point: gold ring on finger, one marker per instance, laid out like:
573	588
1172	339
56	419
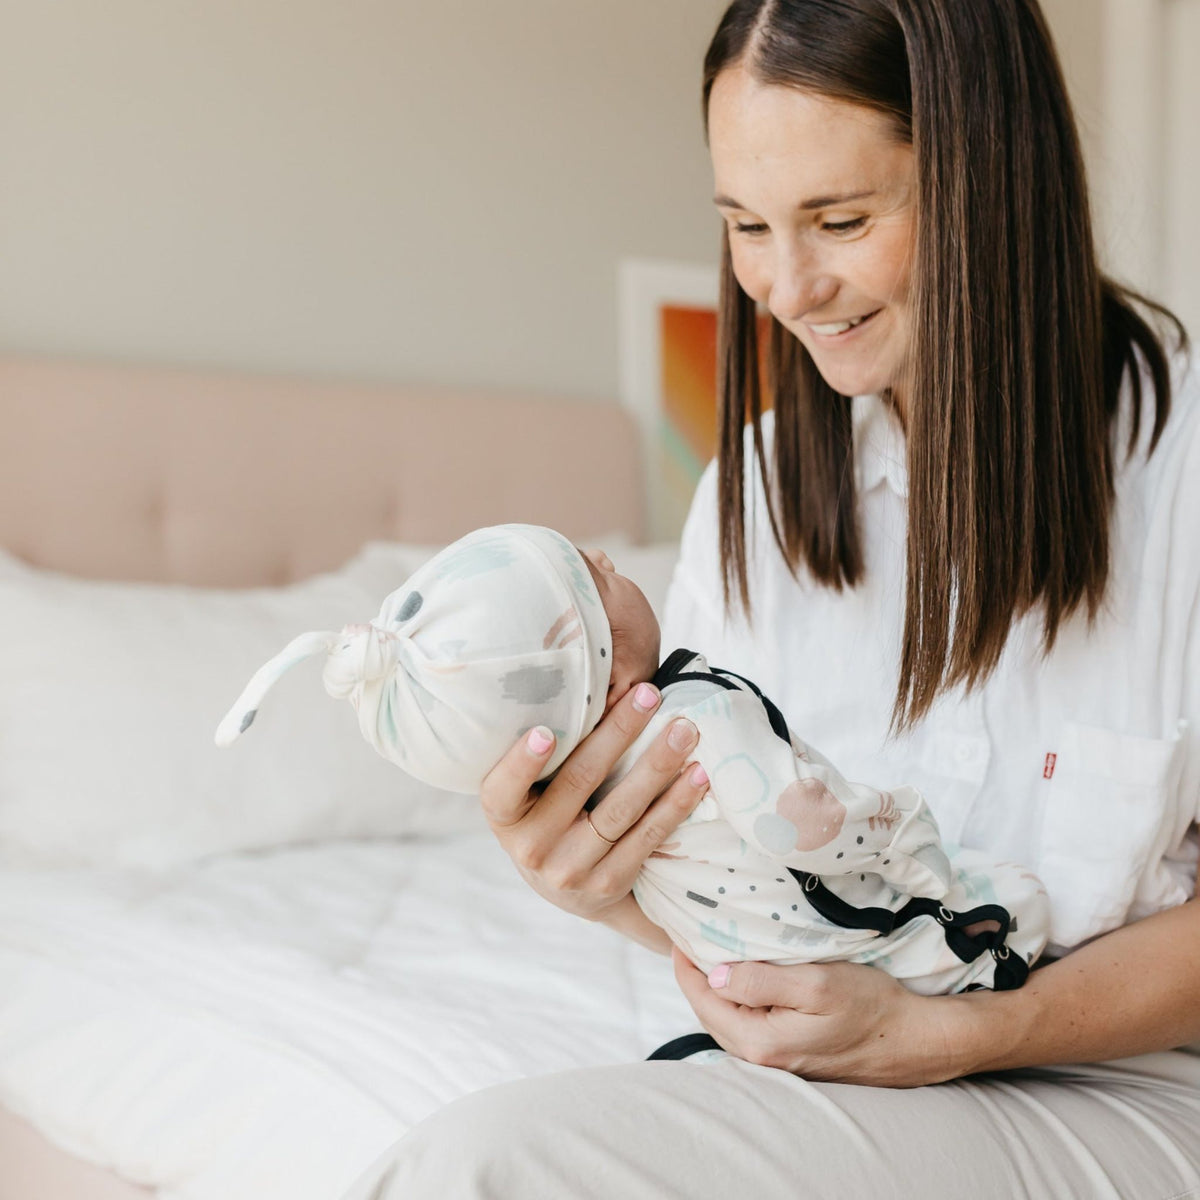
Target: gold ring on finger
588	818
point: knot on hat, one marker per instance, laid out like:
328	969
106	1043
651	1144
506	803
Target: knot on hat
363	654
500	631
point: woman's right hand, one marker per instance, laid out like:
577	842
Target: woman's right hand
588	868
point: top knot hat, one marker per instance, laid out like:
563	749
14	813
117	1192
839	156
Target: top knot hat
501	631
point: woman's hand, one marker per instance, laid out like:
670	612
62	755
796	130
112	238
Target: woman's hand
588	867
840	1022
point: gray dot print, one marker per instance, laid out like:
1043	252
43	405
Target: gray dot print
248	720
411	606
533	685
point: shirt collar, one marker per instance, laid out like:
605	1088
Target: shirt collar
880	452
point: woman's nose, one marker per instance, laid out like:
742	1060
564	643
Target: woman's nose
798	285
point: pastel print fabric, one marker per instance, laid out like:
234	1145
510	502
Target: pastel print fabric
721	885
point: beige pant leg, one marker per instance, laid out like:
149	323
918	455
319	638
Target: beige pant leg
1128	1130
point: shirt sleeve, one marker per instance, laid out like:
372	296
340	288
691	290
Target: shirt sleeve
1181	578
791	804
1189	780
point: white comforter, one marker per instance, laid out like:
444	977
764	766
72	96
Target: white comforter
264	1025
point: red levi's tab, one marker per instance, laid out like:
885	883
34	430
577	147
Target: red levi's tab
1048	769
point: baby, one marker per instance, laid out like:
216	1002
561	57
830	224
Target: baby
783	861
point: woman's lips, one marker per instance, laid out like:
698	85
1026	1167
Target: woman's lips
845	334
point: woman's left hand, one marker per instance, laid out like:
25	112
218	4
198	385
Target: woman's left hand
839	1022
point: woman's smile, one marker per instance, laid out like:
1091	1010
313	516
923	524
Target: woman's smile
838	332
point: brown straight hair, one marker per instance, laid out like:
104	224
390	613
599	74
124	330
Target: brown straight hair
1018	349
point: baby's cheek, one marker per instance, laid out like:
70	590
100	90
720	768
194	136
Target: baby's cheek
630	663
635	653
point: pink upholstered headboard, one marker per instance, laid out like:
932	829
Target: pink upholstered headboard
235	480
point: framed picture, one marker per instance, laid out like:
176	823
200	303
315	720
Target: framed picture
668	359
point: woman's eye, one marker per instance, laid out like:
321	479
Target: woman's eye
844	226
742	227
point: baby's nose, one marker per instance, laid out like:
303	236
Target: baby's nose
600	559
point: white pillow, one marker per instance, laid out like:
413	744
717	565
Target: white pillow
109	697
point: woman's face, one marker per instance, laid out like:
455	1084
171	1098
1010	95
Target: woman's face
818	198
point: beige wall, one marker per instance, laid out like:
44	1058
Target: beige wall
1180	250
1082	37
1078	33
436	190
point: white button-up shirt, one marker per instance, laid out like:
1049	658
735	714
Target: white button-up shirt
1085	765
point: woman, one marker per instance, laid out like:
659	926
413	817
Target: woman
980	576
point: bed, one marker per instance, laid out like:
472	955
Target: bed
243	974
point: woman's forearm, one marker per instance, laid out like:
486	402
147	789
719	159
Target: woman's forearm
1132	991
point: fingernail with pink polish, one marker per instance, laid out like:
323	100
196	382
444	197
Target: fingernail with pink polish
540	740
699	775
718	977
644	698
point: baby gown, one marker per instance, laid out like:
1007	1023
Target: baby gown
785	861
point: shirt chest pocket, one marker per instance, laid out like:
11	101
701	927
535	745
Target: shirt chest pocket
1106	804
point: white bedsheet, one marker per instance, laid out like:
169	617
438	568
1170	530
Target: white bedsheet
264	1025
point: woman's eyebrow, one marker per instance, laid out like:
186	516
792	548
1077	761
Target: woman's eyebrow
815	202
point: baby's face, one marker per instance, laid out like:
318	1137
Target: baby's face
635	634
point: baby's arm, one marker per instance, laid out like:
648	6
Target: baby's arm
791	804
